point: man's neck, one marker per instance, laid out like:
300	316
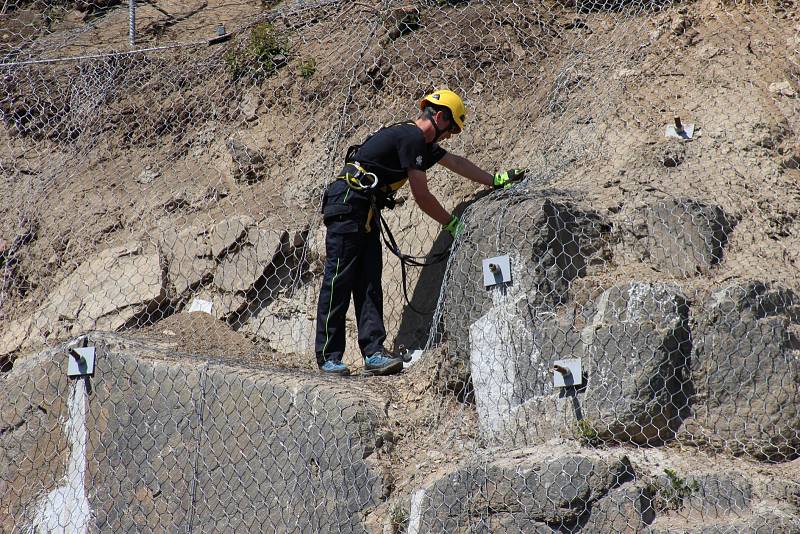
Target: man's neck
428	132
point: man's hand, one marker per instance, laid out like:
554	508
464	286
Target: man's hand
455	227
507	179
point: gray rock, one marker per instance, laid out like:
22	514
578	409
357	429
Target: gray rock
33	440
719	495
189	258
238	271
228	233
679	237
686	237
320	432
179	442
537	493
14	335
623	510
248	164
267	242
764	523
635	351
285	324
551	243
498	341
107	291
746	373
241	268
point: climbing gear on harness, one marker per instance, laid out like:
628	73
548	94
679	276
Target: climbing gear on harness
383	196
506	179
455	226
355	174
450	100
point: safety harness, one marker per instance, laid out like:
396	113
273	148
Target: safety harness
359	179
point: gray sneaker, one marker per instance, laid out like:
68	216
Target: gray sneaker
381	365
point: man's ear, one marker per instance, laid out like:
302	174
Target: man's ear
439	117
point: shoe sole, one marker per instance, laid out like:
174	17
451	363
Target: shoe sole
392	369
345	372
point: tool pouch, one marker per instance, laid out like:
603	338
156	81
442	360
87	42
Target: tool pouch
332	211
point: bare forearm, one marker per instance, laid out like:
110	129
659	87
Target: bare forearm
431	206
467	169
425	199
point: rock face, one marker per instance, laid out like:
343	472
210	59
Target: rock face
537	491
241	268
498	341
517	495
175	444
746	373
720	502
104	292
728	379
679	237
634	351
550	243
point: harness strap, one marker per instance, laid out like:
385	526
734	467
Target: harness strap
357	177
407	259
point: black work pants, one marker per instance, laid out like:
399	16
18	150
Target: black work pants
353	266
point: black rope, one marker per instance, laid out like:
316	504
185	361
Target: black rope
407	259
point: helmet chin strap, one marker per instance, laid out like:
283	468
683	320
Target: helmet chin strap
439	132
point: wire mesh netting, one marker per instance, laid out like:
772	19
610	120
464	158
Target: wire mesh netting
612	345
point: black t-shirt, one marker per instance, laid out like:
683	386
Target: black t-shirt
392	151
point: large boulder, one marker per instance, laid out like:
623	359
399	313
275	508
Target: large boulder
745	371
633	348
725	501
507	368
518	493
166	444
680	237
553	488
635	352
550	243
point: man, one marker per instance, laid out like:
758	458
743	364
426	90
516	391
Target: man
372	174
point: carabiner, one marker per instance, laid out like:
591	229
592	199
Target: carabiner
374	183
356	179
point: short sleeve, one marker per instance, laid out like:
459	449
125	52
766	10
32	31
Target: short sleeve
437	153
411	152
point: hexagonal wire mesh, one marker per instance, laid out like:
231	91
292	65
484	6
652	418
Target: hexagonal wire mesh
162	205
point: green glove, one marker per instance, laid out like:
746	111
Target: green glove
455	226
507	179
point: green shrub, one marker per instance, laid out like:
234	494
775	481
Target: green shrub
670	496
399	519
307	68
266	51
587	433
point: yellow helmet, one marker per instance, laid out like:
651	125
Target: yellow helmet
450	100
